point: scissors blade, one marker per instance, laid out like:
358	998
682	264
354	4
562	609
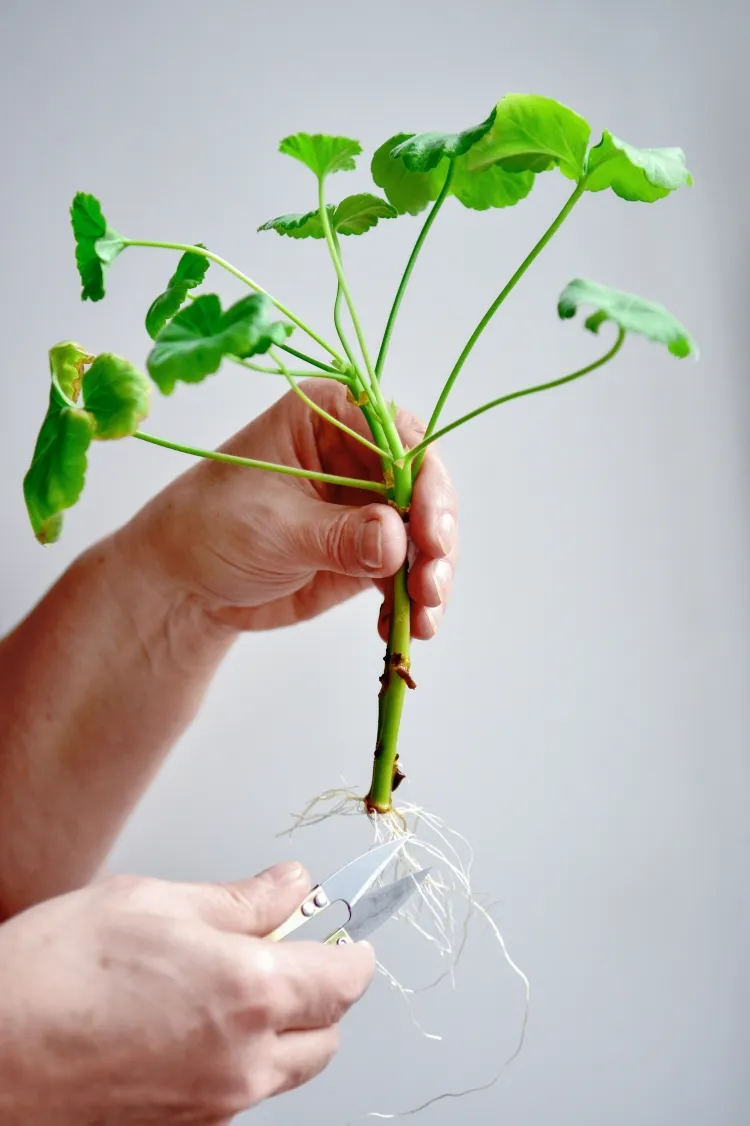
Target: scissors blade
374	909
352	881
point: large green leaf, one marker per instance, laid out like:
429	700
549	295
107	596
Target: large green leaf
532	133
116	395
323	155
494	187
193	344
409	192
421	152
353	216
630	313
66	364
190	272
97	244
58	468
637	175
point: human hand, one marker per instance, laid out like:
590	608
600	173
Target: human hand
260	550
140	1001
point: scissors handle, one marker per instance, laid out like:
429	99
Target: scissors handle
314	902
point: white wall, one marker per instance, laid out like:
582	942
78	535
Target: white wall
584	714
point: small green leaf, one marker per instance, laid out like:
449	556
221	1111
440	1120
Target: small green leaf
97	244
190	272
637	175
409	192
58	468
494	187
116	395
353	216
298	226
421	152
531	133
323	155
359	213
630	313
66	363
193	344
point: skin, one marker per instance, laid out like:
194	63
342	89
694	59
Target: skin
130	1001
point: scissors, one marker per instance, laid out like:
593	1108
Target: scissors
349	886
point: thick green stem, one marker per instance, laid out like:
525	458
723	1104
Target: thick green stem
251	463
409	267
511	284
203	253
418	451
396	679
309	360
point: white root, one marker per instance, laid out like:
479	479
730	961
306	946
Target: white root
431	912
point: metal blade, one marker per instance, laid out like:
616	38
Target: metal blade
352	881
372	911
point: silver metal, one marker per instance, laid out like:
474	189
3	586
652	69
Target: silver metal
342	941
321	899
351	882
307	909
372	911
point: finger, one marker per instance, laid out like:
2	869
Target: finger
299	1056
362	542
425	622
429	581
433	516
254	906
302	985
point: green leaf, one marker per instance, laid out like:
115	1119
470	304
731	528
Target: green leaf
193	344
58	468
630	313
421	152
97	244
66	363
531	133
354	216
637	175
116	395
190	272
359	213
323	155
409	192
298	226
495	187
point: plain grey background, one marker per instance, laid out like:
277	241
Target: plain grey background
584	714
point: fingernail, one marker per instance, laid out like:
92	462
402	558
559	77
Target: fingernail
370	546
446	531
287	873
441	573
433	619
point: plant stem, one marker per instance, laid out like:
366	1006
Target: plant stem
511	284
309	360
290	471
317	409
186	248
396	678
409	267
368	408
389	427
339	377
418	451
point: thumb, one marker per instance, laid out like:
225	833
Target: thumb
367	541
253	906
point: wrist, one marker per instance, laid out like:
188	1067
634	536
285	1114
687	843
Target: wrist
171	623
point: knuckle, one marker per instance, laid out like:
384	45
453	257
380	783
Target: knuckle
335	542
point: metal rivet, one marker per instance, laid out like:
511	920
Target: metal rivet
342	941
321	899
307	909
